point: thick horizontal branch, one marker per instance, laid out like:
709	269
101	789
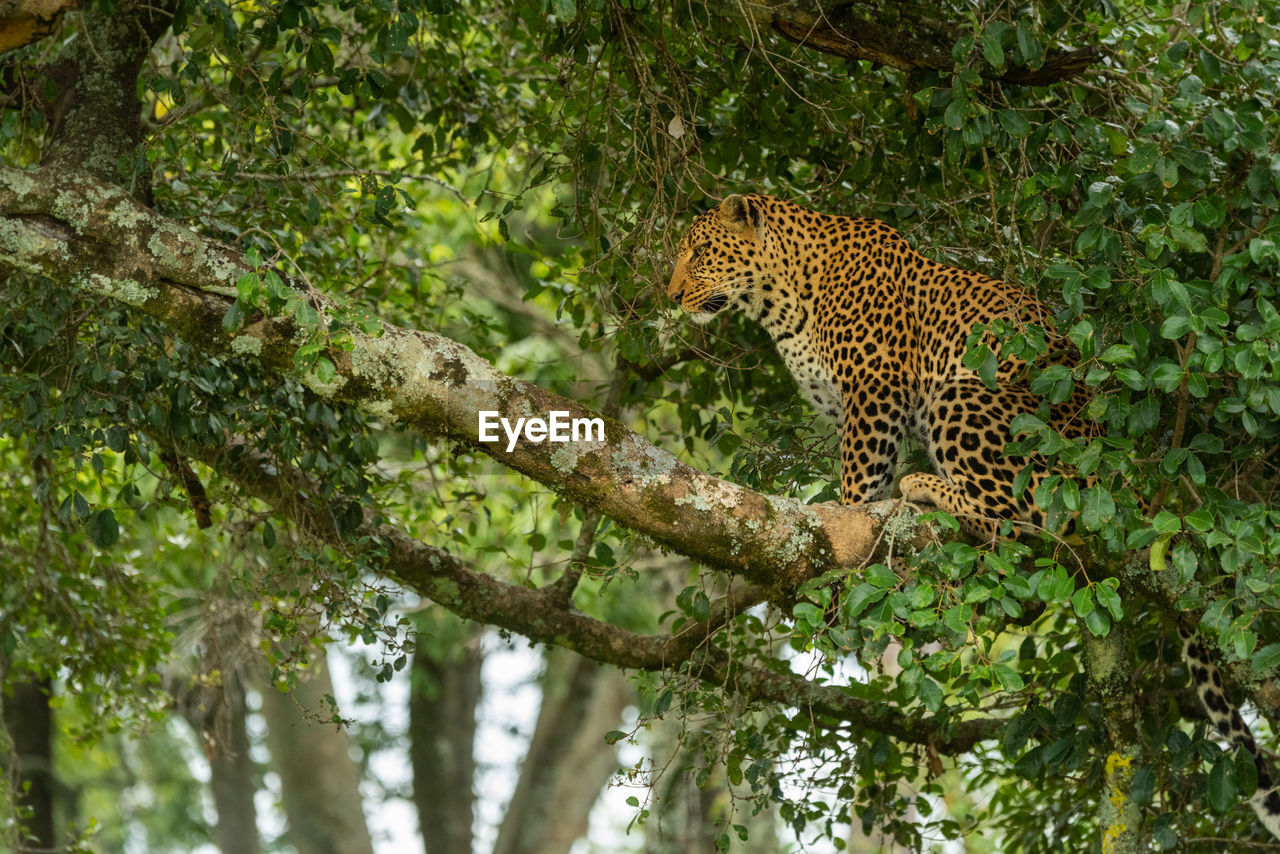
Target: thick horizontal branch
82	232
543	615
908	38
76	230
25	21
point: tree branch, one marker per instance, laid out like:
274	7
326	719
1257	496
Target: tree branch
543	616
108	244
906	38
95	120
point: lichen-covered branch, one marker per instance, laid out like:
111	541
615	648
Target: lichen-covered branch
542	615
93	117
81	232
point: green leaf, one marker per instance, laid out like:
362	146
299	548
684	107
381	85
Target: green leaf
1118	354
1143	785
1098	622
882	576
1246	773
1222	784
1008	678
1166	523
1109	599
1260	249
1163	834
930	694
1175	327
1266	659
859	598
1014	124
231	320
80	506
955	113
807	612
663	703
103	529
992	53
1030	763
700	608
385	199
325	370
1098	507
1189	238
1083	602
1028	47
1200	519
319	57
1166	170
1144	416
1016	733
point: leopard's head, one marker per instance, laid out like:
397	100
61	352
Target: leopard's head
722	258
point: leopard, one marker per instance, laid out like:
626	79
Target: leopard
875	335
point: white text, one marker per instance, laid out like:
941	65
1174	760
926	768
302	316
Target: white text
556	427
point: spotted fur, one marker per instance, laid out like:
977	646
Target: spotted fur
1225	717
874	334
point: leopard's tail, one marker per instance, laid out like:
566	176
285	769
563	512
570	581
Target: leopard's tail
1225	717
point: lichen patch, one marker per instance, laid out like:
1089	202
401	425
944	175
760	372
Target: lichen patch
246	345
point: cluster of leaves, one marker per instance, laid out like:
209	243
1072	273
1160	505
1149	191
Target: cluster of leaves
517	177
1143	200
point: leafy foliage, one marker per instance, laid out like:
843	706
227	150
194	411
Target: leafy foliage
516	177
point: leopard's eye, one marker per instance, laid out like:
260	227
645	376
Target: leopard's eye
697	252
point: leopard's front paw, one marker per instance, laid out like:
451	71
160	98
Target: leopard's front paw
921	491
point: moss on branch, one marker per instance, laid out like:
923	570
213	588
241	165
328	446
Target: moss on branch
108	244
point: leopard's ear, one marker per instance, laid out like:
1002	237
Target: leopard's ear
739	214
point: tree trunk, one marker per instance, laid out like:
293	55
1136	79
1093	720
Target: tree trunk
216	710
445	691
29	721
568	761
319	781
232	782
1111	684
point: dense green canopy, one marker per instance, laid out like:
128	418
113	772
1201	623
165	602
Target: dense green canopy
264	262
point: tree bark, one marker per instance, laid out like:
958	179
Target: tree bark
95	117
233	783
568	761
1110	681
590	763
319	781
25	21
213	703
109	245
544	616
445	691
29	721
